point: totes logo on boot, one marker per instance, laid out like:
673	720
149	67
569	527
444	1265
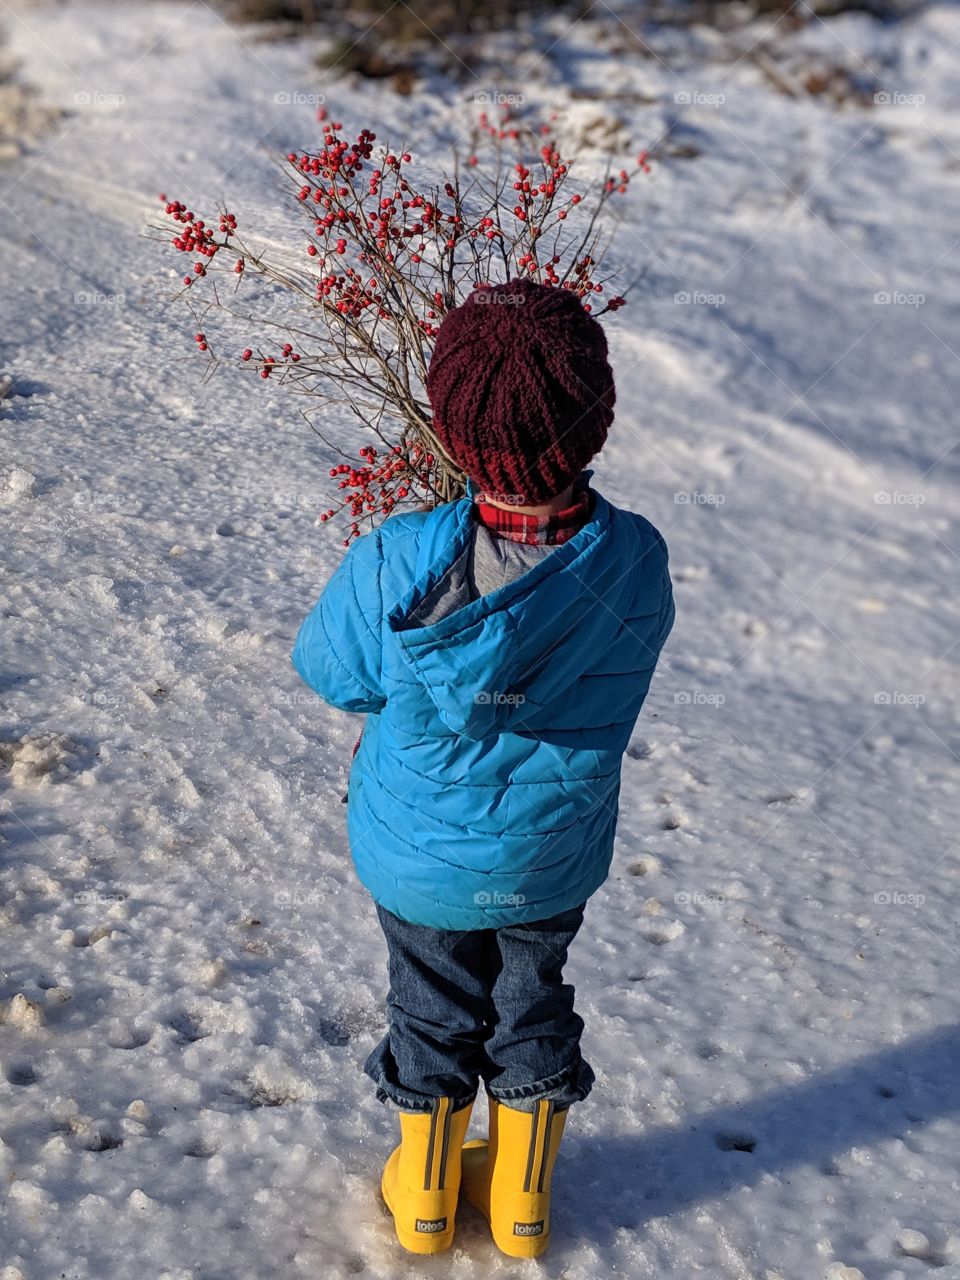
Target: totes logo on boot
431	1225
528	1228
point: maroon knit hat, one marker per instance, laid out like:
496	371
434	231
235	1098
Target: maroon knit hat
521	390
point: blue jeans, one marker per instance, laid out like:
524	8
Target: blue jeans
486	1004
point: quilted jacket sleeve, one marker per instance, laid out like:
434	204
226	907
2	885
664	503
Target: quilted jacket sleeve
668	612
668	609
338	647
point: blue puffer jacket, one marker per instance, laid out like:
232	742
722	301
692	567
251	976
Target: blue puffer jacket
486	785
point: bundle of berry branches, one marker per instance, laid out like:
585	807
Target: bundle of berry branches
384	258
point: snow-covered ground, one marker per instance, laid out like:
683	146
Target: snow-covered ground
191	976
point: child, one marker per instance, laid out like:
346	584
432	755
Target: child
502	647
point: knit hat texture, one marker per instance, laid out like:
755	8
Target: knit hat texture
521	389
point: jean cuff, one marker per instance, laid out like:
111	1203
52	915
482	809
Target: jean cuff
572	1084
387	1092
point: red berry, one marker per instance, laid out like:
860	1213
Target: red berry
247	354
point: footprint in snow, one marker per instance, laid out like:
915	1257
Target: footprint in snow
707	1050
782	799
234	529
735	1142
128	1035
90	937
21	1074
187	1028
645	866
202	1149
333	1033
676	818
102	1138
660	935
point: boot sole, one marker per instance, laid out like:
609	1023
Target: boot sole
423	1244
529	1248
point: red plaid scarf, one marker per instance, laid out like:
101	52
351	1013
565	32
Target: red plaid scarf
518	526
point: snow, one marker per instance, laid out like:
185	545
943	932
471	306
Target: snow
192	976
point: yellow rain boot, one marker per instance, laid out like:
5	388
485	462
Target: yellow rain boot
508	1179
421	1180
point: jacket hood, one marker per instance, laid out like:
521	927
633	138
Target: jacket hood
491	665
